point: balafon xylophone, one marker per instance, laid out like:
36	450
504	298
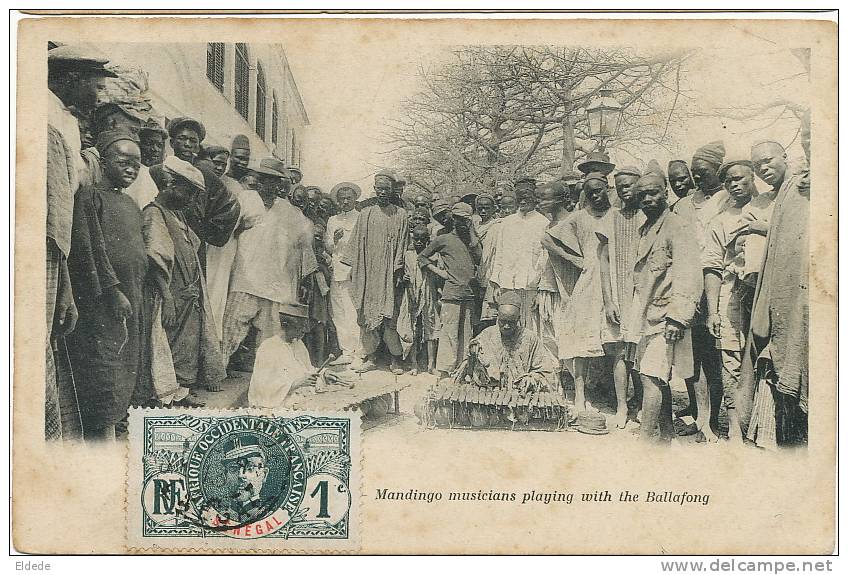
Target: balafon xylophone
448	404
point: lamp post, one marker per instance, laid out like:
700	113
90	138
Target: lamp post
603	114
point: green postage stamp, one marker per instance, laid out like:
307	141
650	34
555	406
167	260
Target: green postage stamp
205	480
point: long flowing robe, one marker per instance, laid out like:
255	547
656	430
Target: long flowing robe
219	260
585	324
341	305
375	254
274	256
565	272
62	419
620	230
172	248
214	212
776	355
418	305
107	250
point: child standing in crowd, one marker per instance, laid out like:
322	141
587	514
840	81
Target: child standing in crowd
318	289
418	322
459	250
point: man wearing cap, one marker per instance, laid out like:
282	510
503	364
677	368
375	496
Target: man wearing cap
339	230
107	266
723	260
152	139
114	116
459	251
273	261
375	255
772	400
619	238
585	327
172	250
668	286
217	156
282	362
517	260
239	157
442	223
76	80
214	213
703	203
245	472
219	260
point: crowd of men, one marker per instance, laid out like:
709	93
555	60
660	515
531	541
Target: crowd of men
167	272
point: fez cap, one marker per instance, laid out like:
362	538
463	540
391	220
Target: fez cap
177	124
712	153
184	169
109	137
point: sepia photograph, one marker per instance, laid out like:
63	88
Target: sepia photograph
525	264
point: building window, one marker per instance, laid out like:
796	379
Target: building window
275	118
293	149
260	102
242	81
215	64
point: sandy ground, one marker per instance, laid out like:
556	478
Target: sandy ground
234	395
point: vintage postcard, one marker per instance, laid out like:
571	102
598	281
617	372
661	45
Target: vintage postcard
240	480
436	285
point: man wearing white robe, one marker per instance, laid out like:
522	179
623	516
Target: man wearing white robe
219	260
339	228
516	253
282	362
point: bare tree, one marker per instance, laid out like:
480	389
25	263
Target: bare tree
490	113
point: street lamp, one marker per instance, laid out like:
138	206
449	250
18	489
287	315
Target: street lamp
603	113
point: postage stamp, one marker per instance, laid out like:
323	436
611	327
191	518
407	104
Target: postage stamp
243	480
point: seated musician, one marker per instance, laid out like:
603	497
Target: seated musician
282	362
509	355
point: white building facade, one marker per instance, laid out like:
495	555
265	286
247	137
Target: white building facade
231	88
